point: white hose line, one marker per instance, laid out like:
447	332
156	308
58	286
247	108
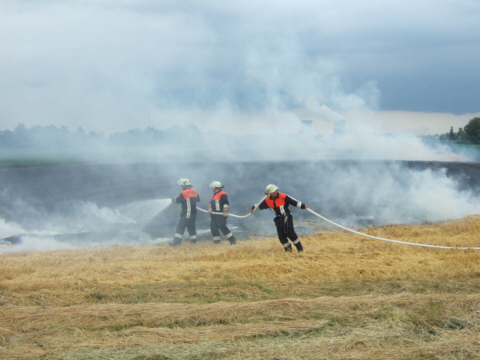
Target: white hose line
235	216
393	241
229	215
350	230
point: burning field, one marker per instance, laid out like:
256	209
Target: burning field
85	272
83	205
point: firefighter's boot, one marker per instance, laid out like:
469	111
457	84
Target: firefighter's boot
299	247
176	241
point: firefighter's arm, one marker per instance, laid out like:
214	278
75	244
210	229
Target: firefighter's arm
263	205
301	205
224	200
295	202
225	210
178	199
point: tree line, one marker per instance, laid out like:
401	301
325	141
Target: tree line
46	137
52	137
468	134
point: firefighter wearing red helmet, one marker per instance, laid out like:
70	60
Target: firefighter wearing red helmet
278	203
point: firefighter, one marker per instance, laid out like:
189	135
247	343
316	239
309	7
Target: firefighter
218	222
278	203
188	198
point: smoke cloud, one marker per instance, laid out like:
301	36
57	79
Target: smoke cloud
130	204
244	94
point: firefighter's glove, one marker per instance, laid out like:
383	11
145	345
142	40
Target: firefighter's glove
173	200
209	211
225	213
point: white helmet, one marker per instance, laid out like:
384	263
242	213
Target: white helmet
271	189
183	181
216	184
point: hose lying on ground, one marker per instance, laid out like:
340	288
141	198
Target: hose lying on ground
353	231
393	241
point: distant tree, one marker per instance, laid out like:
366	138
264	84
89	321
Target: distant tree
451	134
461	136
472	130
21	137
21	129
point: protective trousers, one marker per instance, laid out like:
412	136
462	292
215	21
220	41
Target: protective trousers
285	231
219	223
189	224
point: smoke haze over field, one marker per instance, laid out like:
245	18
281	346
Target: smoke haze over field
245	75
109	66
58	207
358	141
221	91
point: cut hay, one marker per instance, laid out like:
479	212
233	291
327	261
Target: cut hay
346	297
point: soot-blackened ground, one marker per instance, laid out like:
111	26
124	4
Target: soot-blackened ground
56	189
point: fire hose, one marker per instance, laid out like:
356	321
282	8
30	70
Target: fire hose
393	241
352	231
235	216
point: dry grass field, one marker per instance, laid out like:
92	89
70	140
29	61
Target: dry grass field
346	297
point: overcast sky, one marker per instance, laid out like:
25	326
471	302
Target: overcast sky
110	66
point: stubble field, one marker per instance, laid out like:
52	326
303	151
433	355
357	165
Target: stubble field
346	297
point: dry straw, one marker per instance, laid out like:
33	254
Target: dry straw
346	297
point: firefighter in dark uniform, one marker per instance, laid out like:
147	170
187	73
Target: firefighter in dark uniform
218	222
278	203
188	198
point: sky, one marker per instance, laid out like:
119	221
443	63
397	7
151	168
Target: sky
239	66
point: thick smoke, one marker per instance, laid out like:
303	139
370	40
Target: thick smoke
87	205
119	191
232	88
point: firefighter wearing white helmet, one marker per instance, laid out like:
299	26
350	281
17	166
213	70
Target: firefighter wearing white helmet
279	204
188	198
218	210
271	189
183	181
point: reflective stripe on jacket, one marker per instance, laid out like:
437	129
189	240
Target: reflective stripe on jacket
219	201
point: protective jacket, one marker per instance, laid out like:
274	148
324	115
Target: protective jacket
219	202
188	198
280	205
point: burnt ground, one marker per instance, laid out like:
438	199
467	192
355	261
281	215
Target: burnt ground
340	190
